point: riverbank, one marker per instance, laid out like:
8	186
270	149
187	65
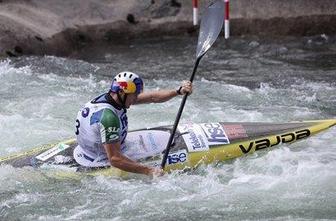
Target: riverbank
63	27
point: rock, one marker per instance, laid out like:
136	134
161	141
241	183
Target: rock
64	27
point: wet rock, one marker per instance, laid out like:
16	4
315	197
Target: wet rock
131	19
18	49
38	38
10	54
176	4
64	27
166	9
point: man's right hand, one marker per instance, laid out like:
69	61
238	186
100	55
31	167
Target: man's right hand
156	171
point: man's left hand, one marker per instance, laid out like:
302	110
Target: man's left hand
185	88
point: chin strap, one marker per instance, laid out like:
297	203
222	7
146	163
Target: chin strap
121	100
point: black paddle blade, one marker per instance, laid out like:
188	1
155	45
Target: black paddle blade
211	25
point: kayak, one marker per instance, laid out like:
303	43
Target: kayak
194	144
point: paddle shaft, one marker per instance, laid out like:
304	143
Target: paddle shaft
179	114
210	28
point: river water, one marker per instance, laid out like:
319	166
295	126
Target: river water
243	79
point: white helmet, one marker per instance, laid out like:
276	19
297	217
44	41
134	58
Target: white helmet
127	82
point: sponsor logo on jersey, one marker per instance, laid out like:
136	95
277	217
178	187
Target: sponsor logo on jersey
85	112
113	130
215	134
114	137
194	137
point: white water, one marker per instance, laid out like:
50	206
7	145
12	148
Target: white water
296	182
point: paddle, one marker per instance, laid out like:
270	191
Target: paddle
211	26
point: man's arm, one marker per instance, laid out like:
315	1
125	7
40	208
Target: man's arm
164	95
109	130
156	96
117	159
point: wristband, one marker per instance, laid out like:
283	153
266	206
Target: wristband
178	91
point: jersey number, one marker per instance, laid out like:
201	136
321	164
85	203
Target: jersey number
77	127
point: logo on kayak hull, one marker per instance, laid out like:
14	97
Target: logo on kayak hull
177	157
284	138
215	134
194	137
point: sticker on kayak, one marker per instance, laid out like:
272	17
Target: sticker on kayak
215	134
194	137
52	152
178	157
142	144
235	131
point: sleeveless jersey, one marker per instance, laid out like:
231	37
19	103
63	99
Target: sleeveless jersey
100	121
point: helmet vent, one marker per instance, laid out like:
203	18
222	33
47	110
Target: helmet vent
119	75
125	74
131	76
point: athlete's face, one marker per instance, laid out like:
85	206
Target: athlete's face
131	99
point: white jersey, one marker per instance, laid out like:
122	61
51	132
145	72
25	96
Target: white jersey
99	121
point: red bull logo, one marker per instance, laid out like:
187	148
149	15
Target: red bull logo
127	86
123	84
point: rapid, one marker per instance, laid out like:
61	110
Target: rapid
244	79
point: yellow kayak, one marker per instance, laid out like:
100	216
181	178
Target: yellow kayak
194	144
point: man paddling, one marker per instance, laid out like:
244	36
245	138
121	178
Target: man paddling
101	125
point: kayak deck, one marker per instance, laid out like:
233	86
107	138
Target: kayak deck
193	144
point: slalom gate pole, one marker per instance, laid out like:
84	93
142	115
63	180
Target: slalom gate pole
227	20
195	12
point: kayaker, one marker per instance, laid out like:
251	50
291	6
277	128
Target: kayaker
101	125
